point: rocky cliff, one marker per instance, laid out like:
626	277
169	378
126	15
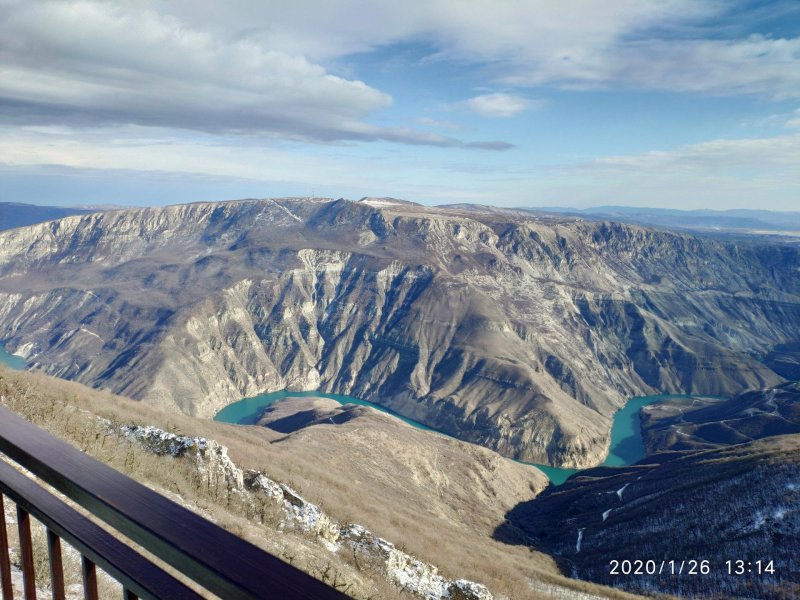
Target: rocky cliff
512	331
216	469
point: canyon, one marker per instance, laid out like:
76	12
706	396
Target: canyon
520	332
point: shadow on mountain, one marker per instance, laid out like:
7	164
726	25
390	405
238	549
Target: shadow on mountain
307	418
710	501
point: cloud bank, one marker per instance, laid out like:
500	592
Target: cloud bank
99	63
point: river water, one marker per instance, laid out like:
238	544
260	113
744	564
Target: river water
626	434
11	360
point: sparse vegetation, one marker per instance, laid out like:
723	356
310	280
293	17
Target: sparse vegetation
736	503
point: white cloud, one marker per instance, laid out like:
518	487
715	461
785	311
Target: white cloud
731	155
652	44
500	104
149	150
720	174
439	123
755	65
128	148
89	63
256	67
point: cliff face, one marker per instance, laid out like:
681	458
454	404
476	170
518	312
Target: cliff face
521	334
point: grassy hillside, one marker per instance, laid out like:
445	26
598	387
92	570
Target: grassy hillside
410	486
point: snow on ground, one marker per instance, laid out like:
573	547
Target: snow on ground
288	212
92	333
372	202
759	520
620	490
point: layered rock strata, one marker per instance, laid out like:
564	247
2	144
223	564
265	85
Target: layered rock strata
521	333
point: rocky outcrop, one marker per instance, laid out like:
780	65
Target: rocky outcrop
508	330
408	572
218	470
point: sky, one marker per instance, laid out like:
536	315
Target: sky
663	103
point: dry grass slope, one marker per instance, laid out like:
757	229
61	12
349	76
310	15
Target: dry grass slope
409	486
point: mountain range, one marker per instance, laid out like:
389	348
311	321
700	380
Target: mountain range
521	333
18	214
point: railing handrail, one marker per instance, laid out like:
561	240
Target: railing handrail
219	561
123	563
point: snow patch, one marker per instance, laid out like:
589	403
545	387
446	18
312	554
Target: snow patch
287	211
759	520
780	512
374	202
555	592
84	330
620	490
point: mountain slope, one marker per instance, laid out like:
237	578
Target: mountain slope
702	423
519	333
734	503
432	496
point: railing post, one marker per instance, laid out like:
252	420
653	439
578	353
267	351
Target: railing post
5	564
56	565
26	553
89	579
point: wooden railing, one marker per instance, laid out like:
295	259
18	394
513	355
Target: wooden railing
214	559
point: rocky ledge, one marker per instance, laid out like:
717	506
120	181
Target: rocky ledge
217	469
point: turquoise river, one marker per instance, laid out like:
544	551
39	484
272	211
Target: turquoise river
11	360
626	433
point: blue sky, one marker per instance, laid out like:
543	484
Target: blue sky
669	103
